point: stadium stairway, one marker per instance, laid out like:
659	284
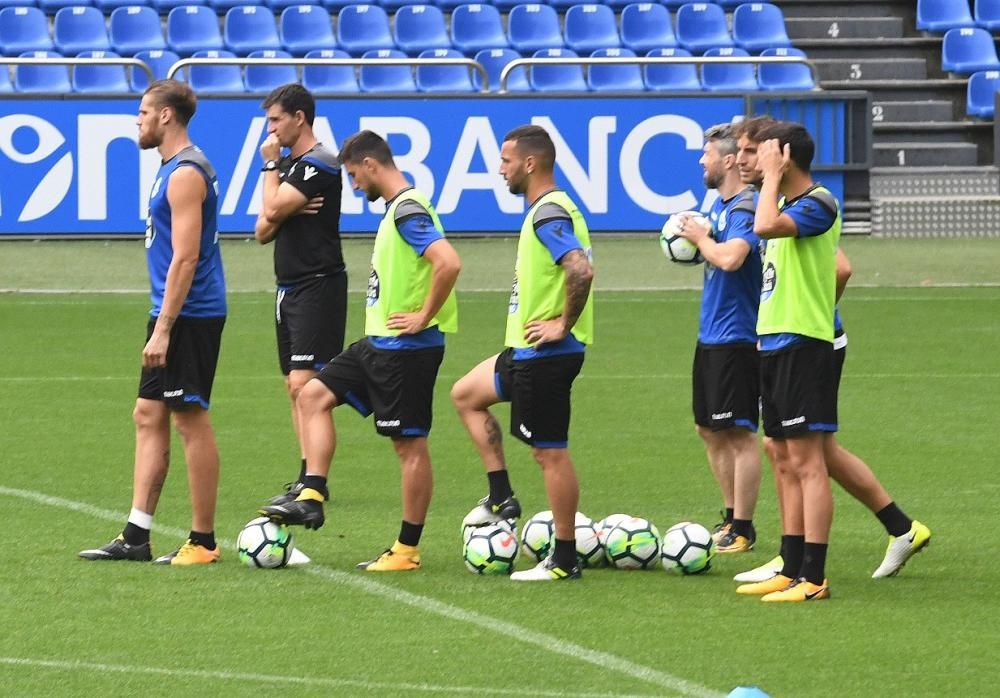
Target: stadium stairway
933	169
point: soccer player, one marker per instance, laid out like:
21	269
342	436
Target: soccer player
549	322
726	361
183	335
300	213
391	372
795	327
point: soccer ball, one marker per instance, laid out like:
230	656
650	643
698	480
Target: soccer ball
589	549
676	248
633	544
263	543
607	523
688	548
538	535
509	524
490	549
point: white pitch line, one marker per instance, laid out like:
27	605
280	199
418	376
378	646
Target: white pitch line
283	680
516	632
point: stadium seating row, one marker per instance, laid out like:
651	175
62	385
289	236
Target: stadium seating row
981	94
942	15
415	28
345	79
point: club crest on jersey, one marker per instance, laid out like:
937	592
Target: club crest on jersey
371	297
768	282
514	298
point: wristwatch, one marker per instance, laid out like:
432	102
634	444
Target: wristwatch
269	165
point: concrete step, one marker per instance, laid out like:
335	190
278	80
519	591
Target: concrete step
844	27
913	111
851	70
903	90
946	217
980	133
845	8
934	182
902	154
928	48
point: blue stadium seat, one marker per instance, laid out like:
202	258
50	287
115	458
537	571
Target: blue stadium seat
729	4
507	5
942	15
981	99
645	26
563	5
99	78
6	86
23	29
325	79
443	78
215	78
193	28
776	76
591	27
556	78
476	27
759	25
533	27
221	7
668	78
675	4
363	28
450	4
17	3
334	6
987	14
386	78
51	7
278	6
968	50
615	78
135	29
494	60
109	6
264	78
164	7
396	4
41	78
250	28
77	29
701	26
159	62
737	77
419	28
305	28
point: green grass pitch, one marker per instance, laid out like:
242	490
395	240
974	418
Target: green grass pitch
919	402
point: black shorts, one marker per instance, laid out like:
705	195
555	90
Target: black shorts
797	389
538	391
839	357
192	356
396	385
726	386
309	320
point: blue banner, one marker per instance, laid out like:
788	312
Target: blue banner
73	166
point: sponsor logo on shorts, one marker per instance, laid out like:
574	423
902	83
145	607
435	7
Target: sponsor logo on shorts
722	415
387	422
793	422
173	393
303	357
524	430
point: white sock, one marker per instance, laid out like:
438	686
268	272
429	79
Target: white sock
140	518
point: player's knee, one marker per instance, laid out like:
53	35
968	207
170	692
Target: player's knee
191	422
315	397
147	414
462	394
296	381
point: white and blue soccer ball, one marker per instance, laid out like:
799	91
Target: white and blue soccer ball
263	543
490	549
676	248
589	549
538	536
633	544
607	523
687	548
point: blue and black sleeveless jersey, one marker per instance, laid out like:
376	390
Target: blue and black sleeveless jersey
207	296
309	246
729	299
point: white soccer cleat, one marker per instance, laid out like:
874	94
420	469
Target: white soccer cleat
486	512
769	569
901	549
546	571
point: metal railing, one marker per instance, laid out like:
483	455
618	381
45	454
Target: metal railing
467	62
133	62
656	60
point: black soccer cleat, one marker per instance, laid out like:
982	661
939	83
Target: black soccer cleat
118	549
300	512
291	493
486	512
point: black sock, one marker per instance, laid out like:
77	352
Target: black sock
792	552
743	527
564	553
409	533
316	482
814	562
499	485
729	515
135	535
895	521
302	471
205	540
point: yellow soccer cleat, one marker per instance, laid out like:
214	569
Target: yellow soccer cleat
901	549
776	583
398	558
731	542
190	554
800	590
